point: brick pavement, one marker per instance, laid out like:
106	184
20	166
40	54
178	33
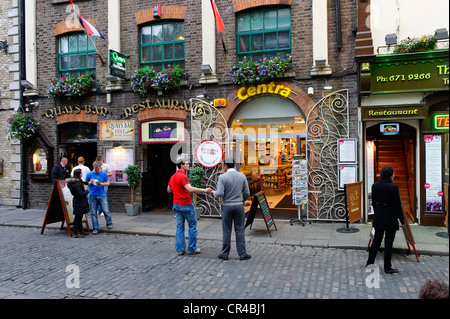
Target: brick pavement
119	266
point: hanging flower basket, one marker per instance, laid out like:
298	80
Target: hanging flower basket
423	43
264	70
21	126
148	79
76	86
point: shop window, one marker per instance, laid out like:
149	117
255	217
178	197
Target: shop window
264	33
162	45
78	132
76	55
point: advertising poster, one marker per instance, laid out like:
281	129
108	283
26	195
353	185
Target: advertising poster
433	174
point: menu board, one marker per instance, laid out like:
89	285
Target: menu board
299	182
347	174
261	200
433	174
347	150
118	159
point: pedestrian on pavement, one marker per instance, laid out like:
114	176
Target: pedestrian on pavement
97	180
84	169
233	188
181	188
80	202
61	170
388	215
105	167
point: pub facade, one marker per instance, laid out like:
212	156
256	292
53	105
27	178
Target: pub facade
306	110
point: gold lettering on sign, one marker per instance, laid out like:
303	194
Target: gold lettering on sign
88	109
159	104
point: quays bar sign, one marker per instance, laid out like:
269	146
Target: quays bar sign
76	109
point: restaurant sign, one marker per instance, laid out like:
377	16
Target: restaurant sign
394	75
392	113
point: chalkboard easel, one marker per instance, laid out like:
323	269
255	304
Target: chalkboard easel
261	200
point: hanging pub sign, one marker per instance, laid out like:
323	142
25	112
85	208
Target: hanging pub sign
117	64
209	153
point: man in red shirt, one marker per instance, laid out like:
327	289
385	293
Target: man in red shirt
181	188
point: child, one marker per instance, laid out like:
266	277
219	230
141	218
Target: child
80	202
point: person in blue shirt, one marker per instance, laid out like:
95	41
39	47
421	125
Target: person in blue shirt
98	180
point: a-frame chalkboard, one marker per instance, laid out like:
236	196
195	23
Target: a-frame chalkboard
261	200
59	208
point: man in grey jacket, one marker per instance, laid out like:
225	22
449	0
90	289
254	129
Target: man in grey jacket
233	188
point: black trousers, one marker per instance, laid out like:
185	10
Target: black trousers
388	242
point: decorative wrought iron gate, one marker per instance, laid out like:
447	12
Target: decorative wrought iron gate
207	123
327	122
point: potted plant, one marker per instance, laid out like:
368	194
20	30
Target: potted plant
196	175
134	174
21	126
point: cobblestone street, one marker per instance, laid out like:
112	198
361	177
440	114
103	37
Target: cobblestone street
117	266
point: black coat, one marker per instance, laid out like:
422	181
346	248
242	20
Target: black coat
387	205
80	201
60	172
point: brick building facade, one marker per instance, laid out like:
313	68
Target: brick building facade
329	61
10	160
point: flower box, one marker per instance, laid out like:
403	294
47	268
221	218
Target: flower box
67	87
148	79
264	70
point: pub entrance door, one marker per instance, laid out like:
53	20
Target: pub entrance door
155	180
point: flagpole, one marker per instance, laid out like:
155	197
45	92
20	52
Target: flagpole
99	56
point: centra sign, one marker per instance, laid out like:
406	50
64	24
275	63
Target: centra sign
272	88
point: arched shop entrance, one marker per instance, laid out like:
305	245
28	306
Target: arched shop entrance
266	131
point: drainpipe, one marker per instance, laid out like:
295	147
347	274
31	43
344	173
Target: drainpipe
24	182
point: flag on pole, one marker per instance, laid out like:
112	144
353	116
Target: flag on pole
219	22
90	30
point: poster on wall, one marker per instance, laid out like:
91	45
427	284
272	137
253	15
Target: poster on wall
433	174
117	130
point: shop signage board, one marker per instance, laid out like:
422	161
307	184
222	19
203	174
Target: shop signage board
352	194
60	208
261	200
391	113
117	130
117	64
162	131
209	153
401	73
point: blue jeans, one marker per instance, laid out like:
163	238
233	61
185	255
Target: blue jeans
94	202
182	213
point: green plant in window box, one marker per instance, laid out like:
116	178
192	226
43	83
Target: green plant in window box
147	78
249	72
71	86
21	126
425	42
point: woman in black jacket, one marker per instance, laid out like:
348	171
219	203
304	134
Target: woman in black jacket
387	206
80	202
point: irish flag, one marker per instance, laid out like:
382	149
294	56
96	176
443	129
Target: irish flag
219	22
86	25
